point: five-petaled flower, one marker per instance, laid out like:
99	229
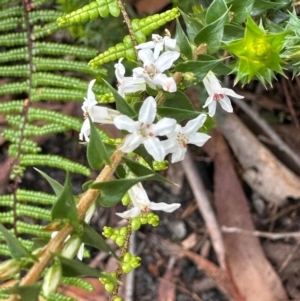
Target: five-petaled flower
98	114
144	131
153	68
128	84
142	204
159	43
178	140
217	94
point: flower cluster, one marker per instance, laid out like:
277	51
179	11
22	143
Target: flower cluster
160	137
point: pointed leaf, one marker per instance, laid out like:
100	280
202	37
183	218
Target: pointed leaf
183	42
65	206
15	247
179	100
94	239
215	10
122	105
141	170
57	187
76	268
96	151
212	34
177	114
113	191
199	68
192	24
27	292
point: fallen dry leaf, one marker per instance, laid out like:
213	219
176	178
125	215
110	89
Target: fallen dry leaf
251	271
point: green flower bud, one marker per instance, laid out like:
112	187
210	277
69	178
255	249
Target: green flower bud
117	299
135	262
126	199
52	278
120	241
114	236
163	165
10	268
126	268
144	220
109	287
127	257
189	77
123	231
135	223
107	231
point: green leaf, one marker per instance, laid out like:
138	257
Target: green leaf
57	187
86	185
65	206
113	191
76	268
199	68
96	151
183	42
177	114
122	105
179	100
15	247
141	170
215	10
241	9
92	238
212	34
141	151
27	292
193	26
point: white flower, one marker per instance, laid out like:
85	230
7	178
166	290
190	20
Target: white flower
142	204
154	67
217	94
98	114
178	140
144	131
128	84
159	43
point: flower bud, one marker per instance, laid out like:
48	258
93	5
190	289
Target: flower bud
135	223
71	247
52	279
9	268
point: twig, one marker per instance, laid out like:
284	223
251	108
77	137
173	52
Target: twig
129	288
205	208
273	236
289	257
282	146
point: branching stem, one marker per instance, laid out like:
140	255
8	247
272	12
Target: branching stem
56	243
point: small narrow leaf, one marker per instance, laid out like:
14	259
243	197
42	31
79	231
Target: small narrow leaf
96	151
212	34
183	42
192	24
27	292
199	68
75	268
179	100
15	247
57	187
112	191
92	238
122	105
141	170
65	206
177	114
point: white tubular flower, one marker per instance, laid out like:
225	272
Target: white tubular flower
153	69
158	43
142	204
98	114
144	131
217	94
182	136
128	84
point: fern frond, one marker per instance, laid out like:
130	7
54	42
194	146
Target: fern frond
14	55
90	11
15	88
34	212
141	28
53	161
9	23
58	297
13	39
78	282
35	230
55	94
13	11
14	71
37	197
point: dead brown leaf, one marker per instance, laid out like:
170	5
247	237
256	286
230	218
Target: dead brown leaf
251	271
166	287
